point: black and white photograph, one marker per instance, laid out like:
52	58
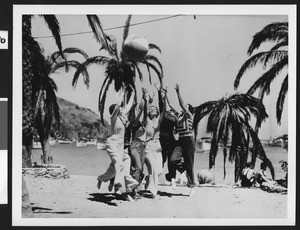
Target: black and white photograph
154	115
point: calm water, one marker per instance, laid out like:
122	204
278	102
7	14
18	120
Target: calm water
90	161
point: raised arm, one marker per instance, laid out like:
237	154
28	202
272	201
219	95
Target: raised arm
171	107
181	102
142	105
162	114
150	101
128	106
160	98
117	108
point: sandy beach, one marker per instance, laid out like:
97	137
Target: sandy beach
78	196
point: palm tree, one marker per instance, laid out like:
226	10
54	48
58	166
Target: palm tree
46	108
228	122
277	55
121	70
32	66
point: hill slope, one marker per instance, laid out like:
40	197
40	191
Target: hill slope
78	122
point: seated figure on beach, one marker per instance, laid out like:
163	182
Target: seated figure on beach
248	176
119	168
261	176
153	155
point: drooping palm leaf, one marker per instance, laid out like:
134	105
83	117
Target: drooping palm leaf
70	50
272	32
266	79
261	152
230	116
281	98
153	67
262	57
97	29
80	69
53	25
153	46
126	29
139	72
282	44
102	98
155	59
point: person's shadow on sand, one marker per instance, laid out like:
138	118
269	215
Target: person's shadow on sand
147	194
106	198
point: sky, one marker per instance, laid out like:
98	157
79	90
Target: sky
203	54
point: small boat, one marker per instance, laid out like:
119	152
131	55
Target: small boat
91	142
37	145
81	144
64	141
52	142
205	143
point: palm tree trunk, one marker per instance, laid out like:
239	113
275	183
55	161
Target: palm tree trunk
257	126
27	116
26	206
212	154
27	67
46	151
247	147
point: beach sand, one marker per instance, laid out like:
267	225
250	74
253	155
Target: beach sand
78	197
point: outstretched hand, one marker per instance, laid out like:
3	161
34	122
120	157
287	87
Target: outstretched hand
177	88
151	97
144	92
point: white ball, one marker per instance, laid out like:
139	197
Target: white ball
136	47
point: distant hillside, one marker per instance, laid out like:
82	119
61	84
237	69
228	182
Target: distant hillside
78	122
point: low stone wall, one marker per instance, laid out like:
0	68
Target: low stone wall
47	171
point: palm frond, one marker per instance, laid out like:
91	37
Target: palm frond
260	153
263	57
70	50
224	162
102	98
281	99
213	151
155	59
97	29
149	72
153	67
53	25
126	29
80	69
201	111
266	79
272	32
284	43
153	46
139	72
113	50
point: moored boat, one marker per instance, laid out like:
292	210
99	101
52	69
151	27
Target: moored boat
37	145
81	144
64	141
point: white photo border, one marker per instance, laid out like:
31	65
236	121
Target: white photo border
19	10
